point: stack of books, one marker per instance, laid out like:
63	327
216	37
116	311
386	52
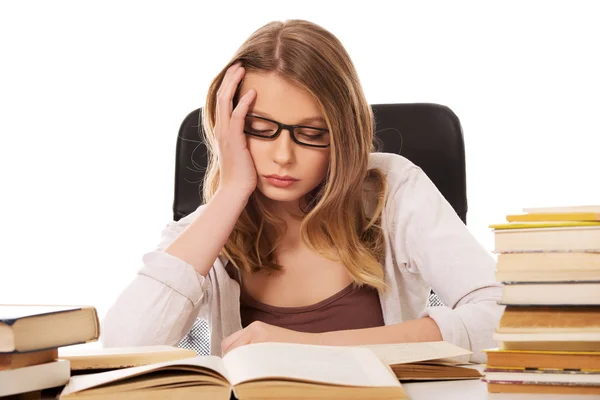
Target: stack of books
549	334
29	340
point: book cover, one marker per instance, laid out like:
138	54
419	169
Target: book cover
539	217
563	209
543	224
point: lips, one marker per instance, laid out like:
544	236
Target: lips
281	178
280	181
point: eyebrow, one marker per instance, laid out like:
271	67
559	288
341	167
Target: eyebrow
302	121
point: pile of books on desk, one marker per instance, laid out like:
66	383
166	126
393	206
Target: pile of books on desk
32	366
549	334
29	340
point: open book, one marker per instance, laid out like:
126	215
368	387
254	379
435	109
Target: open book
426	361
255	371
107	358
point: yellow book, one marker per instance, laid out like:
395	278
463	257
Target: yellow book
543	224
567	209
570	216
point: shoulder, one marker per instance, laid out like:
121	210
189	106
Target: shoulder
403	177
394	166
412	200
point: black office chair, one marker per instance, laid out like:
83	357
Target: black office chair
429	135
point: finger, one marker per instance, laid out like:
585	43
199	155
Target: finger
239	114
226	99
243	340
230	339
232	68
224	83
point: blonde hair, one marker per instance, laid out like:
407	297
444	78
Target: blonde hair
337	223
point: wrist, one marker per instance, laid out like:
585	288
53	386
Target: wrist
232	195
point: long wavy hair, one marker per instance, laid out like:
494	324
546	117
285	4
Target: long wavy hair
340	220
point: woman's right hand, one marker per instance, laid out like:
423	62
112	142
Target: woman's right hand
237	171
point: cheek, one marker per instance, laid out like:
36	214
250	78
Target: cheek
319	163
255	149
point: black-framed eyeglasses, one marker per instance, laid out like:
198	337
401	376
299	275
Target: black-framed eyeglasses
303	135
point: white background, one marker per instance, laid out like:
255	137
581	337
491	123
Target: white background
92	95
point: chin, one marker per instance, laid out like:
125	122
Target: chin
283	195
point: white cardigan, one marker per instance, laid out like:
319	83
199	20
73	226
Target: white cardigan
427	246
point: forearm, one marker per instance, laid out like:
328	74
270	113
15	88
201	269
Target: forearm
132	319
418	330
201	242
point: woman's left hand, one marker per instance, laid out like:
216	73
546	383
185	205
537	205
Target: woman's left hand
259	332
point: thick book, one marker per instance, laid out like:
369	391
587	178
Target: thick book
547	377
522	387
423	361
254	371
551	293
553	236
497	358
537	381
26	328
121	357
555	341
34	377
541	319
19	360
548	267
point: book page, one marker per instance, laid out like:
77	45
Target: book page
403	353
119	357
339	365
84	382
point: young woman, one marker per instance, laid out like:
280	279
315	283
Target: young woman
305	234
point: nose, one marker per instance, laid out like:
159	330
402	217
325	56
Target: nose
283	152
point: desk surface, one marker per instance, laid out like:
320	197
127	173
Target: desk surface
450	390
475	390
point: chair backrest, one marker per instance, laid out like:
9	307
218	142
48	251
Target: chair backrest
429	135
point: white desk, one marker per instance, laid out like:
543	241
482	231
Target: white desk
452	390
476	390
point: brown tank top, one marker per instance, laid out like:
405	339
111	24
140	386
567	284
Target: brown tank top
350	308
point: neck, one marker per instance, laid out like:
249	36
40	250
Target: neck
291	213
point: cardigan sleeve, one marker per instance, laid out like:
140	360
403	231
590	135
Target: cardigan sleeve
449	258
162	302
